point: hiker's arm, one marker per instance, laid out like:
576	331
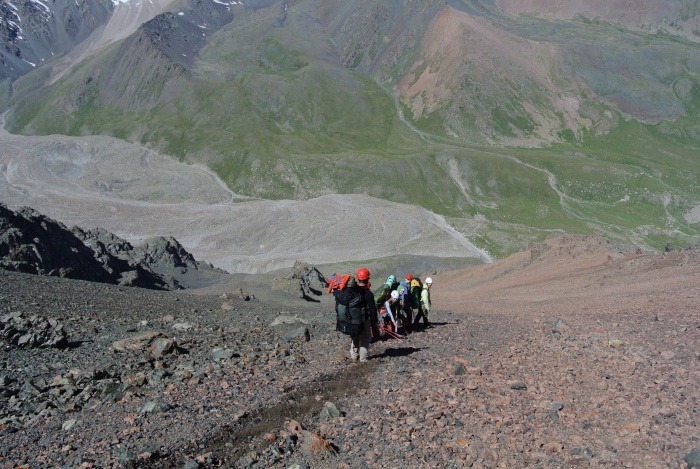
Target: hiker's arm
387	305
372	306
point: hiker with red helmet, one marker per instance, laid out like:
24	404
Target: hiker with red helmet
359	347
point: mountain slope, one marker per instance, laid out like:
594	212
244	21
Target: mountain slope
680	18
464	71
32	32
471	72
410	101
569	354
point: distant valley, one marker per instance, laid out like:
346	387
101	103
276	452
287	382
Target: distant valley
506	120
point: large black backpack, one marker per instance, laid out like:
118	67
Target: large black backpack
351	310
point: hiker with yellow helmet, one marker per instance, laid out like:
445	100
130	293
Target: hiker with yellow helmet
414	287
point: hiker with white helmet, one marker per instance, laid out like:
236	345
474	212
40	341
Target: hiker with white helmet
387	313
425	302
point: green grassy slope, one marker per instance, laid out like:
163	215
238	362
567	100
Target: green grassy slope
276	114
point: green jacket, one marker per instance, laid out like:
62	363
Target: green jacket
415	296
425	298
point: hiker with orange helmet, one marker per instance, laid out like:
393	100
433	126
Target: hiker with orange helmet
359	347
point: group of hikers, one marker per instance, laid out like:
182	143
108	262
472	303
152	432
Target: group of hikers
388	311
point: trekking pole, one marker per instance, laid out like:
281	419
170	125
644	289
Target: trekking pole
392	334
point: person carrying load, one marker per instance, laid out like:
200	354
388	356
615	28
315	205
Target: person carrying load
387	313
359	303
405	307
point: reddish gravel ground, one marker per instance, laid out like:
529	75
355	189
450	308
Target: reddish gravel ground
574	353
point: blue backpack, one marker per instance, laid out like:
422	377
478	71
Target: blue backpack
406	297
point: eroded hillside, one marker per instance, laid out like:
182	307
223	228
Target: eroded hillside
678	18
508	125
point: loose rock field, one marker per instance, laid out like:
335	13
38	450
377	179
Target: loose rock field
524	366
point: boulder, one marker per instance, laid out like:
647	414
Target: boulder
138	342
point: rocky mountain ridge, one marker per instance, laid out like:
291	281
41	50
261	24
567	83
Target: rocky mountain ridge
33	243
32	31
511	74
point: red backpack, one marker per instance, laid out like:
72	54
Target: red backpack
337	282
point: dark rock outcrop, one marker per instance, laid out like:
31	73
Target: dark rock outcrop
158	58
33	243
305	279
166	252
20	330
181	36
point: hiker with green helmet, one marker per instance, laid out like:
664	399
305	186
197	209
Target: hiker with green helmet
391	281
